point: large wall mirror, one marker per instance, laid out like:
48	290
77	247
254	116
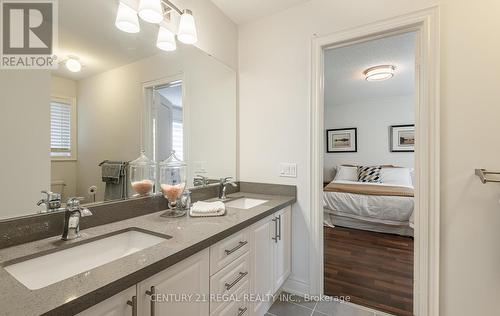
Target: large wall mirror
77	130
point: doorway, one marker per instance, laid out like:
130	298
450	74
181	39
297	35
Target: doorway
426	212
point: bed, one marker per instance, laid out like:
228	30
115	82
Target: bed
380	207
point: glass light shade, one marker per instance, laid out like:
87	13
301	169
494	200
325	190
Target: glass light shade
187	28
73	65
166	40
151	11
173	177
142	175
126	19
379	73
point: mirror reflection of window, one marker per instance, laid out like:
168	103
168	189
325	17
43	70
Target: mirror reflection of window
62	127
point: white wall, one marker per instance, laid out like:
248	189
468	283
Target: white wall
372	119
275	84
111	105
24	126
275	62
64	169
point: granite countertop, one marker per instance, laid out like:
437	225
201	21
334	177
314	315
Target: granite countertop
70	296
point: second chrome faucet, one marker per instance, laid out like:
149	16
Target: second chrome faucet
72	216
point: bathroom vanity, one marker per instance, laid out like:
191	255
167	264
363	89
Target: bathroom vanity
228	265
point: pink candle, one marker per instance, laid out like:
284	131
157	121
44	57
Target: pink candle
142	187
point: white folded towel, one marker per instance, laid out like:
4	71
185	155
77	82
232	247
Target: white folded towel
200	209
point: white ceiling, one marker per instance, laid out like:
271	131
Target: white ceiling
344	79
87	30
242	11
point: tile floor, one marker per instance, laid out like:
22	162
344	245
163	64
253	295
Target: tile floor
292	305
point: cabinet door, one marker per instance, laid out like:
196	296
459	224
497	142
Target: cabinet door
181	290
262	264
113	306
282	249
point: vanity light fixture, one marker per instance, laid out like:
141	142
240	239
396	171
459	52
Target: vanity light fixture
379	73
154	11
73	64
151	11
166	39
126	19
187	28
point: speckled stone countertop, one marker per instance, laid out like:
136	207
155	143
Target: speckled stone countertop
70	296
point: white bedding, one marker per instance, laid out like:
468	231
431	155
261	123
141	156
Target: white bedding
388	210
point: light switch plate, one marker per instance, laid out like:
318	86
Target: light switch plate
288	169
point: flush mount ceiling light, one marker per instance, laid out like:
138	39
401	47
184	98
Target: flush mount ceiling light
187	28
151	11
154	11
126	19
379	73
73	64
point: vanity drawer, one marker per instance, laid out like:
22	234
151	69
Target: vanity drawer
227	250
229	280
239	307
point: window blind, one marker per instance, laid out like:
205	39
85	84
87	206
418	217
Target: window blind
60	129
177	139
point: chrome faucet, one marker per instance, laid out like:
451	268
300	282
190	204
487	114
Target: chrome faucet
72	217
200	180
52	201
223	186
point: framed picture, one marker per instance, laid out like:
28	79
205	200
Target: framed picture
342	140
402	138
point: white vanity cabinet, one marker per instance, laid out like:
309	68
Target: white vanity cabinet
114	306
271	257
255	260
180	290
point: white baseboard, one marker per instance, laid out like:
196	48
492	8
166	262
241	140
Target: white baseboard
295	286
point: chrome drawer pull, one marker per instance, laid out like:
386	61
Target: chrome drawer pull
240	244
275	238
133	303
242	311
238	279
152	292
279	227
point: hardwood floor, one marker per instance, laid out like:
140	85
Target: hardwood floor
374	269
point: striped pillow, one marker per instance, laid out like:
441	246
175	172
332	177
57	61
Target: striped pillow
369	174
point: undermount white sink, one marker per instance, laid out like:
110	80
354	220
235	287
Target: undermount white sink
48	269
245	203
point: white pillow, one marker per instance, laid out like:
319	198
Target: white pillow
398	176
347	173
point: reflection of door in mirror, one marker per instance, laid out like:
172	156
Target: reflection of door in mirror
164	129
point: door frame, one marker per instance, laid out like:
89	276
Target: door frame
427	154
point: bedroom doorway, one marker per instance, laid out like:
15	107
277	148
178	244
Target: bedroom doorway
368	167
424	24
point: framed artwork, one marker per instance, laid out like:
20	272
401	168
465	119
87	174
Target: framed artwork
402	138
342	140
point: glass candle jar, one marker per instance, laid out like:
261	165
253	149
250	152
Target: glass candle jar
173	177
142	175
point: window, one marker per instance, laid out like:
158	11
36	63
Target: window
177	139
62	129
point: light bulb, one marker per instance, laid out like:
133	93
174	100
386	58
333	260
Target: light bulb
166	40
187	28
126	19
150	11
73	65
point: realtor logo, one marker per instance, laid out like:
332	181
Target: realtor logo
28	34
